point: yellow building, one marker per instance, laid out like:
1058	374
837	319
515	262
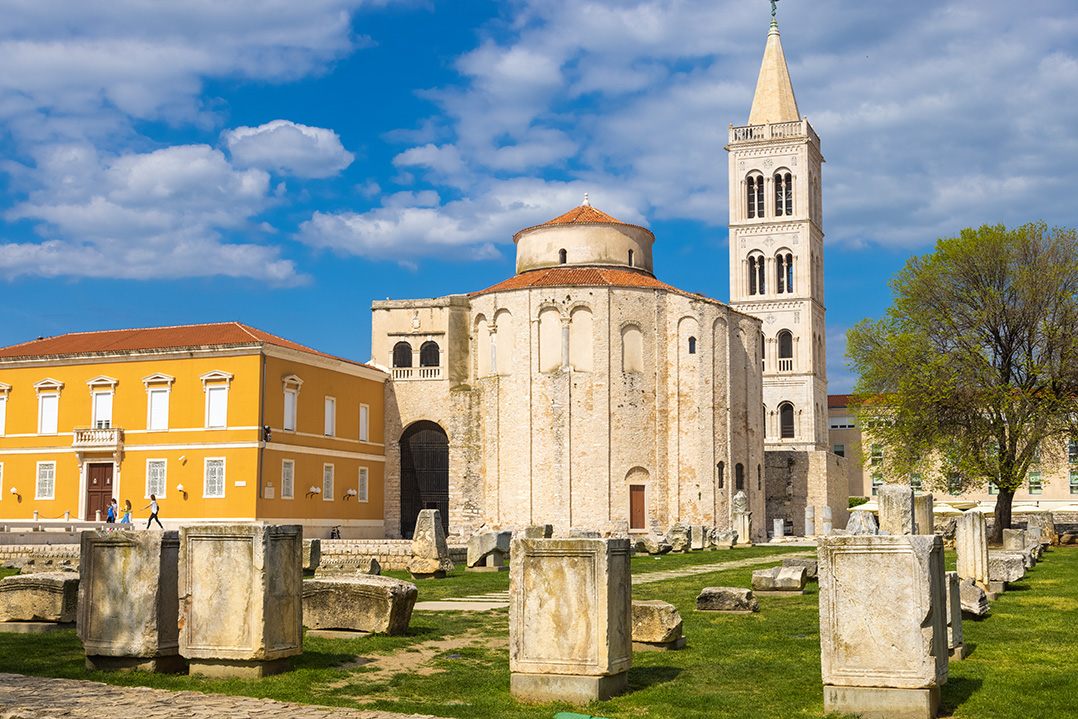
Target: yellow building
222	422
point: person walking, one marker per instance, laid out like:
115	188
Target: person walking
127	512
152	506
111	518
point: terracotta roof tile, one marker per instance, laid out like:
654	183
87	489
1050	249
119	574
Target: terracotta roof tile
582	214
581	277
839	400
154	338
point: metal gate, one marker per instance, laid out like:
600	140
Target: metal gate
424	450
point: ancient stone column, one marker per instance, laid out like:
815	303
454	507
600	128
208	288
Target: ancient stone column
810	521
129	601
780	528
825	515
896	509
922	514
971	546
955	645
883	625
570	628
742	519
430	553
240	598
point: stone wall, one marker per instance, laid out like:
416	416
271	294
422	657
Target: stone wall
41	556
392	554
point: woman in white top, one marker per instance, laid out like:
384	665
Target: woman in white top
152	506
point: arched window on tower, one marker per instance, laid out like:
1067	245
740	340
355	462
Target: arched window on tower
692	345
562	256
784	194
754	195
784	273
630	258
402	354
756	274
786	420
429	356
786	351
739	477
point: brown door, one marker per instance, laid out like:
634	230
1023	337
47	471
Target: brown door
636	506
98	490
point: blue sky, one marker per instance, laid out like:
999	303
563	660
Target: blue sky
284	164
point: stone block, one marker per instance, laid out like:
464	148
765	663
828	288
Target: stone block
811	566
373	568
1006	566
488	547
724	540
129	600
778	528
536	531
727	599
1015	540
1046	522
825	520
955	644
896	509
810	521
312	554
656	624
361	603
430	553
922	514
656	544
883	616
240	598
42	597
882	703
1069	538
678	537
779	580
971	547
570	618
698	537
584	533
974	598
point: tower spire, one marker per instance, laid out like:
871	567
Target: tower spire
774	100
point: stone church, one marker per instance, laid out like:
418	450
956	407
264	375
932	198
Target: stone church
585	392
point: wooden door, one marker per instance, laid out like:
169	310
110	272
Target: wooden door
98	490
636	506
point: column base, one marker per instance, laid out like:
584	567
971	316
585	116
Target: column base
226	668
572	688
882	702
171	664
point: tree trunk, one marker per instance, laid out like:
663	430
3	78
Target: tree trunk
1003	515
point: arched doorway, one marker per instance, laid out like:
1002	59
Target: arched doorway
424	450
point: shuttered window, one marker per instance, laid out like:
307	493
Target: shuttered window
216	407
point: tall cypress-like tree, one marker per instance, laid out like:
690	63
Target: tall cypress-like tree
975	364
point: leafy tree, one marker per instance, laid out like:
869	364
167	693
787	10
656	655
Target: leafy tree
976	362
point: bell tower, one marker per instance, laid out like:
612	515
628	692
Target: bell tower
776	253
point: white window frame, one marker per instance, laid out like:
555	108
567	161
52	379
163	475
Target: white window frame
212	391
1	481
331	416
52	480
288	488
363	486
48	388
205	476
98	396
328	472
162	492
290	413
1034	487
159	392
4	389
364	423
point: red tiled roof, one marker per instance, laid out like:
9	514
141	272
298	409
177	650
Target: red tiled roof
582	214
839	400
153	338
580	276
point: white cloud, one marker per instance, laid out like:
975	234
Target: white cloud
139	216
289	148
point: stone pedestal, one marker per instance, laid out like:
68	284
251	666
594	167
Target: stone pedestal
883	625
129	601
368	603
698	534
430	553
955	644
779	528
971	546
743	525
1006	566
570	628
896	510
241	598
44	597
923	518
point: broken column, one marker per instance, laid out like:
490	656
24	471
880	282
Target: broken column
240	598
430	553
971	547
570	629
896	509
810	520
488	551
955	646
825	521
781	581
742	519
360	603
1046	522
129	601
922	514
883	625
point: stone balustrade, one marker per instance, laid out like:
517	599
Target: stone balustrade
774	131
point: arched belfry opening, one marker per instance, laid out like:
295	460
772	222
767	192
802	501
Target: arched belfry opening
424	450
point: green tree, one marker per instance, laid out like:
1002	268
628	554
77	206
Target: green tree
976	362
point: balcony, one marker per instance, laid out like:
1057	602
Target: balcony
786	365
98	439
775	131
417	373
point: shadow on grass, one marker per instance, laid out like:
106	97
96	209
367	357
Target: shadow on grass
644	677
321	660
970	648
956	692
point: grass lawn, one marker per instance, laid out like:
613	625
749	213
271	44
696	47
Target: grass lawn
456	664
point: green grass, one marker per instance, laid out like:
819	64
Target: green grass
8	572
761	665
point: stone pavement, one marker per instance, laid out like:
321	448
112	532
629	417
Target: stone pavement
500	600
40	698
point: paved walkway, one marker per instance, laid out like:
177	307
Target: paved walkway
40	698
500	600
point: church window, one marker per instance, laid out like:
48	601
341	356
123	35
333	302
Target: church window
429	355
739	477
759	477
786	351
692	345
562	256
784	194
580	339
721	467
631	258
755	196
784	273
756	274
632	349
402	354
786	420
